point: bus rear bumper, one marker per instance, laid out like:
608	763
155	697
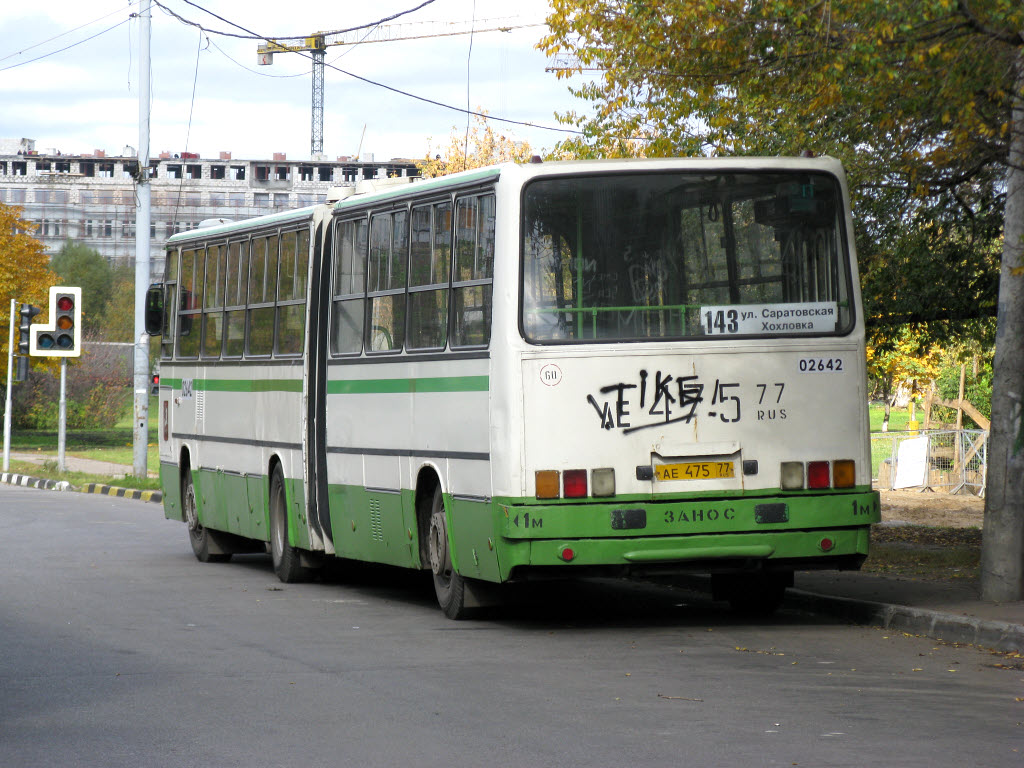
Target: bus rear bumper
838	548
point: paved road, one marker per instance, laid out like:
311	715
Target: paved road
120	649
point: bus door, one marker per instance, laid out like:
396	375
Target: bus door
315	440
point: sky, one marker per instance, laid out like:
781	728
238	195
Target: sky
86	97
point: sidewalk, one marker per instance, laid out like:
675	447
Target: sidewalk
74	464
953	612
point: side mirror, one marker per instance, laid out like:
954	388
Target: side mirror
155	310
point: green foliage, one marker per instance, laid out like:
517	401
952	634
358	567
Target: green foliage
914	98
98	393
977	387
77	264
118	321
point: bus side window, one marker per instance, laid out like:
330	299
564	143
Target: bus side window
429	266
291	292
262	287
237	274
213	302
474	268
191	303
348	287
170	305
389	252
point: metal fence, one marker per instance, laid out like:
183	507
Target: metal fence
949	461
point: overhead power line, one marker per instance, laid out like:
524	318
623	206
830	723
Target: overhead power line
250	34
68	47
65	33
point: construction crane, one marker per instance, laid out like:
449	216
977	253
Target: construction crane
317	44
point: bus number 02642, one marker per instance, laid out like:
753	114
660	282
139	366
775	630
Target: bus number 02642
821	365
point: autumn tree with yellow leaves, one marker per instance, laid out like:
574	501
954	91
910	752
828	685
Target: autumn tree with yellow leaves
905	366
475	147
25	274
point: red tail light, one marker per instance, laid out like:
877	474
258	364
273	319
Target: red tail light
574	483
818	474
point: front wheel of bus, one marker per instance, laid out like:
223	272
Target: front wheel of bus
199	536
287	561
449	586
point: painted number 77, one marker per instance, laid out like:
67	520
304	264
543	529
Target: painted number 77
721	321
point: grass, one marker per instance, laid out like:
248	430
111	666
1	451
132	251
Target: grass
124	455
48	471
898	418
113	444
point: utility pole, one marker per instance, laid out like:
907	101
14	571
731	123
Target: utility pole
140	425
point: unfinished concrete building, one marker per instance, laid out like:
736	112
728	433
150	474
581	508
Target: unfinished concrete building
91	198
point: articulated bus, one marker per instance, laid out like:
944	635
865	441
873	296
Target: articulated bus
528	371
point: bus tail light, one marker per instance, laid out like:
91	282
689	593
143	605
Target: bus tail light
818	475
602	482
574	483
547	484
821	475
792	475
843	475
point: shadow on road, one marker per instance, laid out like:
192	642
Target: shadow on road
589	603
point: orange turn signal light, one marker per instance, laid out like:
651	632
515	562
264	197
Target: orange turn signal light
843	473
548	484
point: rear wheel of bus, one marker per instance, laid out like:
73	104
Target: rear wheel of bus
449	586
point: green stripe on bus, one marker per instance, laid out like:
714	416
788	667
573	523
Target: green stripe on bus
238	385
398	386
350	387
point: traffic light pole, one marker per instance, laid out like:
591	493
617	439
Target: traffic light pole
62	423
7	402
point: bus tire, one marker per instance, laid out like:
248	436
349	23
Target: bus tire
203	540
286	558
449	586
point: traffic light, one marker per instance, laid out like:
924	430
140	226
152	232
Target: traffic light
27	312
62	336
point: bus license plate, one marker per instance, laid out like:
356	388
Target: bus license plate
695	470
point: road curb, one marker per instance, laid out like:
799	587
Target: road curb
121	493
27	481
939	625
952	628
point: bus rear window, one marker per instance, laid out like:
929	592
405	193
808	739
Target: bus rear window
684	255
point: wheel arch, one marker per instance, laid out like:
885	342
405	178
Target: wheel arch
274	463
428	479
184	459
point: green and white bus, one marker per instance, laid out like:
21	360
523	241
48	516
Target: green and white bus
528	371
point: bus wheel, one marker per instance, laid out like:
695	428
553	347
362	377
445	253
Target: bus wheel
203	543
449	586
287	563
